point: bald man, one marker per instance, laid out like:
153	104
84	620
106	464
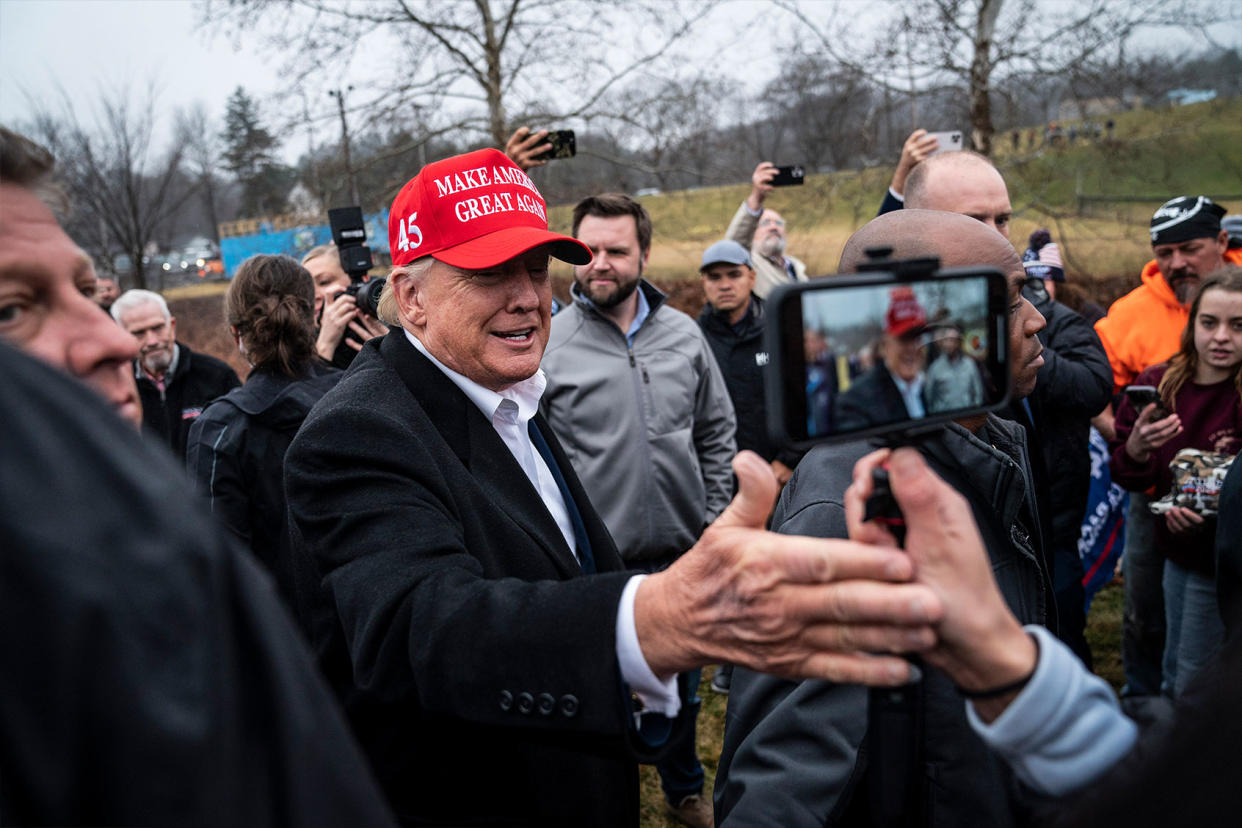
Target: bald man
961	182
792	750
1073	385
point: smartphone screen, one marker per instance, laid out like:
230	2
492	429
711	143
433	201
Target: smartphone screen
871	353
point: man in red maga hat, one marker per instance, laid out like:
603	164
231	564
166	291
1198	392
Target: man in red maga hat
497	663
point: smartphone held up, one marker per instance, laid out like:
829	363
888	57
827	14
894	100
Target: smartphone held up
564	145
893	351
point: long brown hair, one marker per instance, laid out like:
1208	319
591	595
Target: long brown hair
1184	364
271	305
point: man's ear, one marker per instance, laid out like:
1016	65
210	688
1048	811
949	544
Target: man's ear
1223	240
172	326
410	298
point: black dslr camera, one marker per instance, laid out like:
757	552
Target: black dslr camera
350	235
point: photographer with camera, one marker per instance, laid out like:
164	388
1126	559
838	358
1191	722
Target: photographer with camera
342	324
762	231
793	752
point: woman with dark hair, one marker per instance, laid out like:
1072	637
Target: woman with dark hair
236	449
1200	390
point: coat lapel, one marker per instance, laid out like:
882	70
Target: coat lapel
479	448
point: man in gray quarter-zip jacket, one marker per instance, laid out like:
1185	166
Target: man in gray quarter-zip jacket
641	408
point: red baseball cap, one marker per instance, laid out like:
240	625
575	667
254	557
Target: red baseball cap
905	315
474	211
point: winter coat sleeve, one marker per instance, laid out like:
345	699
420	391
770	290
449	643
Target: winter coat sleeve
715	426
1076	374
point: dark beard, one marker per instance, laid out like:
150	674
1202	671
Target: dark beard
622	293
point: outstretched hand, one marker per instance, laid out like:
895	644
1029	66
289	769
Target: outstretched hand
793	606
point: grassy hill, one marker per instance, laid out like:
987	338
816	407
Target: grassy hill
1155	154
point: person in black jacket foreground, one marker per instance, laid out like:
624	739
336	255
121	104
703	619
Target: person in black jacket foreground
237	447
1072	386
175	383
148	673
803	753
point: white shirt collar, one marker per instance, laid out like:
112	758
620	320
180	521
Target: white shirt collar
524	394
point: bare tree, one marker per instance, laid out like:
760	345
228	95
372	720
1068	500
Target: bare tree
121	187
203	156
544	57
971	44
674	123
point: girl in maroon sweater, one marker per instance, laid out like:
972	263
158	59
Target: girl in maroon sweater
1202	386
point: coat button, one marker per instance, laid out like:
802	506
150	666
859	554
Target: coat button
546	704
506	700
569	706
525	702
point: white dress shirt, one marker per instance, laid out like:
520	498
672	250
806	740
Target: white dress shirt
509	411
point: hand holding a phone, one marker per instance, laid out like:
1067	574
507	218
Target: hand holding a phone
918	147
524	147
1150	433
979	642
760	184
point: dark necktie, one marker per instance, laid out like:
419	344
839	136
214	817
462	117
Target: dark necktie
575	517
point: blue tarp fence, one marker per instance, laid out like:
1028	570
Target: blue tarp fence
295	241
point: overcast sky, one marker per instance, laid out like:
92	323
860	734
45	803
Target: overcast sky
80	45
83	44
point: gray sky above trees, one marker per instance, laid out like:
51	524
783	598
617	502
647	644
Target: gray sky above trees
79	45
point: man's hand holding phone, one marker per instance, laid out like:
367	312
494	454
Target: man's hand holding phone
526	148
760	185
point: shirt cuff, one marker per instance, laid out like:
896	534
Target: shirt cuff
656	696
1064	729
898	196
755	213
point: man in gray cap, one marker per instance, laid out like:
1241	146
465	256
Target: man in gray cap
1143	328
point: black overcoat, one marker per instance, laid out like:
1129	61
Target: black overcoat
474	658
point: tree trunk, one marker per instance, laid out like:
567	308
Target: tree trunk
981	129
136	268
492	49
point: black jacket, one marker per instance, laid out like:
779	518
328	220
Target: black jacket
198	380
148	673
236	453
872	399
475	659
1074	384
798	753
742	360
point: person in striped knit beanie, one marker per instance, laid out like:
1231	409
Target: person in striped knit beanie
1042	260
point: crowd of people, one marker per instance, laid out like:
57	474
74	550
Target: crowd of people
462	562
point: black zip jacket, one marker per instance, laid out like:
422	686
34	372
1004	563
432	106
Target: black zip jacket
198	380
742	359
236	454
